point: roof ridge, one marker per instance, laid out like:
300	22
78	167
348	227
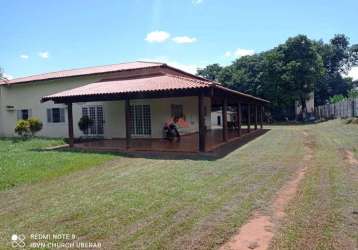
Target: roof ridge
154	74
191	79
82	68
151	62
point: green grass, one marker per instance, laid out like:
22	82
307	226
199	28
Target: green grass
322	215
143	203
24	162
134	203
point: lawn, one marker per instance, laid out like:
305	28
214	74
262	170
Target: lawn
25	161
324	214
143	203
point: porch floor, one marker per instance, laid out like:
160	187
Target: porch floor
187	143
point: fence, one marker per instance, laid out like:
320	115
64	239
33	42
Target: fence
343	109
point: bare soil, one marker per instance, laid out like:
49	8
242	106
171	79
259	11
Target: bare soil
349	157
259	231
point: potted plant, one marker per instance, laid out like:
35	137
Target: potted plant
85	123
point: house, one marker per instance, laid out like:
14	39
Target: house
217	118
129	104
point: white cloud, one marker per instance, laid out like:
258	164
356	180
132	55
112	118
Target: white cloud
353	73
227	54
44	54
7	76
184	39
239	53
157	36
196	2
243	52
190	68
24	56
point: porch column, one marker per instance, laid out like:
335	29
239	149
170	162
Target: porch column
261	116
238	119
255	116
224	115
248	118
202	127
127	117
70	124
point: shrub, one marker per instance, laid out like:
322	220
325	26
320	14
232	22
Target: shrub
353	93
336	99
35	125
84	123
23	128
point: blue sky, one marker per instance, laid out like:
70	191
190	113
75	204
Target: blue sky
42	36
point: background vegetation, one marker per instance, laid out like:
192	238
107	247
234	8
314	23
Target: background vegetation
291	72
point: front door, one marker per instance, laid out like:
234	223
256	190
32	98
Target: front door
95	113
140	122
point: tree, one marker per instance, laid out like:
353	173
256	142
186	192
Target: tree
338	58
27	128
35	125
353	94
302	68
210	72
23	129
353	55
246	74
290	72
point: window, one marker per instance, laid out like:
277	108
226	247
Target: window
219	120
140	120
177	111
23	114
56	115
95	113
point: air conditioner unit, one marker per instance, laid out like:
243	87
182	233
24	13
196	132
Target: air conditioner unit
10	108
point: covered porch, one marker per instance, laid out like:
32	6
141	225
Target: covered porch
248	109
187	144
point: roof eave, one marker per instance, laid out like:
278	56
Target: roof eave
219	86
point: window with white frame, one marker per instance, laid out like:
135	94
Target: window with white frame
95	113
140	120
23	114
56	115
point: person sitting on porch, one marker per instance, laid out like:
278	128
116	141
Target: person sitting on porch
171	129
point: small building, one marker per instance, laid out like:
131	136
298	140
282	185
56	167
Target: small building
309	107
217	118
130	103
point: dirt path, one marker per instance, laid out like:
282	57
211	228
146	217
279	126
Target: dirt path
258	232
349	157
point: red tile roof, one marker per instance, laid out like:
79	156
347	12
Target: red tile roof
143	84
133	85
85	71
129	85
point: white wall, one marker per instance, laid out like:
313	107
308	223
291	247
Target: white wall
28	96
309	105
161	112
1	114
214	118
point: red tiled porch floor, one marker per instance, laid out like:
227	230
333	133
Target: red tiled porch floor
187	143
